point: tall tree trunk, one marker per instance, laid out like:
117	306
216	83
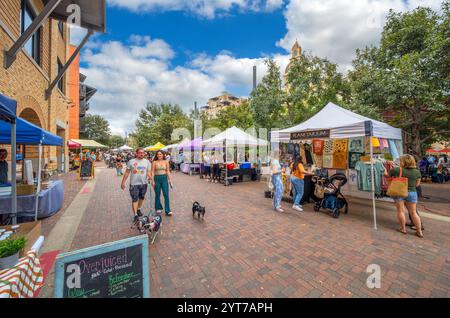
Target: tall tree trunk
415	140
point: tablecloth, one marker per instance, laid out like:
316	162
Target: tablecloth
23	280
50	202
187	167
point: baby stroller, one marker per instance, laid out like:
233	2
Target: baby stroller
328	191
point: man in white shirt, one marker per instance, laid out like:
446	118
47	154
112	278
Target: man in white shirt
140	170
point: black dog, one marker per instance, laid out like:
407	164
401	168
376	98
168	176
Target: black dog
200	210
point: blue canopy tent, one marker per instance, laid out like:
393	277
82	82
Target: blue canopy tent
8	108
26	134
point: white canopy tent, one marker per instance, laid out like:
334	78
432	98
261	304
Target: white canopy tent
234	137
170	147
125	148
342	124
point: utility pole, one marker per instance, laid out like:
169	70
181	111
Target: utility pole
254	78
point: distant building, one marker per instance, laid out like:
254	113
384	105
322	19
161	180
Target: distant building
216	104
296	55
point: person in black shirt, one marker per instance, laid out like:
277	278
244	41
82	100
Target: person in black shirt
3	166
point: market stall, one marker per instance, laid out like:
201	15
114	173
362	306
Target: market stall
339	140
29	134
235	141
156	147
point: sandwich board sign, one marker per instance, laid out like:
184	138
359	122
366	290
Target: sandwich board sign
113	270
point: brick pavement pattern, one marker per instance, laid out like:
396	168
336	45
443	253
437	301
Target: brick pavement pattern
245	249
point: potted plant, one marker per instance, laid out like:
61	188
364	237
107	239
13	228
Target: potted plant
9	251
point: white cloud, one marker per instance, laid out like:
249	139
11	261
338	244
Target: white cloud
205	8
129	76
336	28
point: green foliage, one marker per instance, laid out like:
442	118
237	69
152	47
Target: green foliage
312	83
266	102
11	246
239	116
95	127
157	122
407	76
116	141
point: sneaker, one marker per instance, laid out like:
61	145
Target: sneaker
279	210
139	212
297	208
136	219
159	212
169	214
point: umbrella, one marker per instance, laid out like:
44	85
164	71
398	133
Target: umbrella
156	147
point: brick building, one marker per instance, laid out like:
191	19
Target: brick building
36	66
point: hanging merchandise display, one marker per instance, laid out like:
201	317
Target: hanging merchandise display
356	145
308	155
364	179
302	152
327	161
318	160
328	147
353	158
340	154
393	149
318	146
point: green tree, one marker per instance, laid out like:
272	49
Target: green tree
116	141
407	76
266	102
157	122
312	83
95	127
239	116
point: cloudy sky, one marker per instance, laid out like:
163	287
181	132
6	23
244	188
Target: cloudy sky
178	51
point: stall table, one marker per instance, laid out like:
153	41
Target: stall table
188	168
50	202
239	173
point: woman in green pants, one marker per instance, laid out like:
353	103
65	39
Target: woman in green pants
161	181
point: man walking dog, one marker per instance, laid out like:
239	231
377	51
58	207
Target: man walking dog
140	170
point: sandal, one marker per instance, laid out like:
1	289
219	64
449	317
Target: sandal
401	231
419	235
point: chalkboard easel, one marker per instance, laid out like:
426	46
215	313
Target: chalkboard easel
86	169
114	270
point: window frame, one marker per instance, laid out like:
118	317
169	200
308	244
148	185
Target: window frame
61	82
36	39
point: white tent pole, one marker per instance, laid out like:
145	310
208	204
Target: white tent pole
373	184
38	190
13	172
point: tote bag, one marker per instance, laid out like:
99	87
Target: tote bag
398	187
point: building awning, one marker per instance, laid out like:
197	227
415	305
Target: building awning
28	134
93	13
87	143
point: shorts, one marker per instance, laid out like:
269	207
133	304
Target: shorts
138	192
412	198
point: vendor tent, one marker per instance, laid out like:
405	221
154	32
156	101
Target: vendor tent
8	108
170	147
125	148
339	123
25	133
342	123
156	147
28	134
83	143
234	137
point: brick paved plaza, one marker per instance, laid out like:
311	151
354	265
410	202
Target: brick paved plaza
245	249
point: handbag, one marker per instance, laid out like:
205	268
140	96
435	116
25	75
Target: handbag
398	187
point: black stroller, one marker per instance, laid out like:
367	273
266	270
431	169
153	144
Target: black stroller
328	191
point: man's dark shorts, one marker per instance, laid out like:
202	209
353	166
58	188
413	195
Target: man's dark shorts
138	192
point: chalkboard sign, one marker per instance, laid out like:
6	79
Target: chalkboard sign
113	270
86	169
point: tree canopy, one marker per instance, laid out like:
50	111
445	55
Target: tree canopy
95	127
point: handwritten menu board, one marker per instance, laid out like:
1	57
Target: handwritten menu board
86	169
114	270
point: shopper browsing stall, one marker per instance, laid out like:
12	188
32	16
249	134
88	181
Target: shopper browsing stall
298	173
408	169
276	171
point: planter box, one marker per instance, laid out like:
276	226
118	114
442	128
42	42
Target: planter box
32	231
